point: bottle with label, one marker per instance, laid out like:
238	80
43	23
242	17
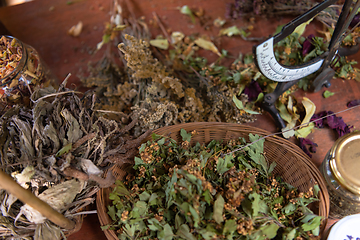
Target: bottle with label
341	170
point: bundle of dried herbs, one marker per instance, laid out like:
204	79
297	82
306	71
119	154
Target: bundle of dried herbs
59	149
271	8
178	191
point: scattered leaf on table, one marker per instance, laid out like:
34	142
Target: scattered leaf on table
232	31
160	43
304	131
76	29
186	10
219	22
327	94
177	37
309	108
208	45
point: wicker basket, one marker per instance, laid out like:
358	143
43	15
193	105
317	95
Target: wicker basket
292	163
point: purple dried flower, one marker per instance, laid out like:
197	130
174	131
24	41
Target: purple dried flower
355	20
253	90
304	142
307	45
353	103
329	119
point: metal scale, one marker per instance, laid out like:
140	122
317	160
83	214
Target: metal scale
287	76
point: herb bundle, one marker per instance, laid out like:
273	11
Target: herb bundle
179	191
58	149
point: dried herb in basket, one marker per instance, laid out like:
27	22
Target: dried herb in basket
182	192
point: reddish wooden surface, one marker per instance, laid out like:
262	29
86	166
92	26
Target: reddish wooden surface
44	25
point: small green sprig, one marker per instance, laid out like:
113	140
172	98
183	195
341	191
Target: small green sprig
184	191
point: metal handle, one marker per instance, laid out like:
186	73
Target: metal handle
26	196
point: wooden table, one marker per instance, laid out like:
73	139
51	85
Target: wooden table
44	25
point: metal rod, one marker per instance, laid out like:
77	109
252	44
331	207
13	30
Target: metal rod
11	186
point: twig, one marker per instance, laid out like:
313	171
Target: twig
161	26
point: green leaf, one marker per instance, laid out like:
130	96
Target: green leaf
207	196
154	224
208	234
161	141
270	230
142	147
130	230
138	161
312	224
255	203
237	77
184	232
166	233
218	209
152	199
63	150
141	206
272	167
120	188
224	165
291	234
289	208
316	190
160	43
144	196
230	226
185	136
195	215
240	106
327	94
112	212
187	11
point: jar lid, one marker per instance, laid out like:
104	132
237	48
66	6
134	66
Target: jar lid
346	229
345	161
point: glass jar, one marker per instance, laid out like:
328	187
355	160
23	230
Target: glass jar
21	70
341	171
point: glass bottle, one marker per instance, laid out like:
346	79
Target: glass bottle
341	171
21	71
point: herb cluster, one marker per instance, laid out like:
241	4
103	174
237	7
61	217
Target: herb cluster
179	191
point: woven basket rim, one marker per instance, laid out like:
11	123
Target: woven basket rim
324	202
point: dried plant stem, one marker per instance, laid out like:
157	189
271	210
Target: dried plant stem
12	187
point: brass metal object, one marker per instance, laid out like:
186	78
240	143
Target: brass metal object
345	161
340	169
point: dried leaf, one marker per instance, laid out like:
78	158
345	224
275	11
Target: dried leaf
218	209
58	197
187	11
231	31
160	43
310	109
301	28
46	231
76	29
177	37
74	132
208	45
